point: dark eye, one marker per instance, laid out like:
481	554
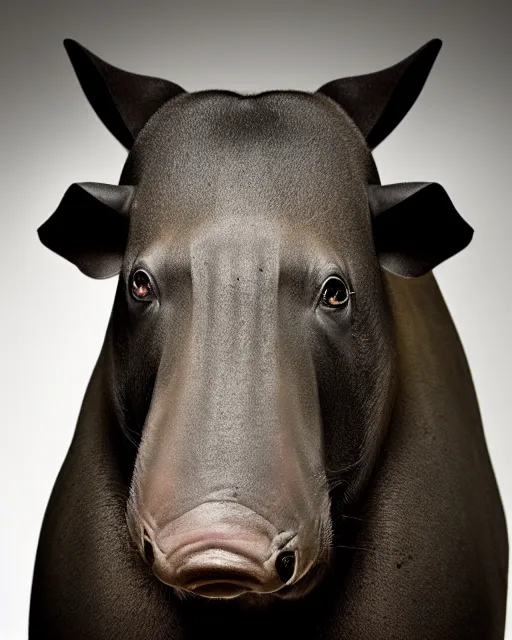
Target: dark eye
141	286
335	293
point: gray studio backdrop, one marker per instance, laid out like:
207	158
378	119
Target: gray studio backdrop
53	317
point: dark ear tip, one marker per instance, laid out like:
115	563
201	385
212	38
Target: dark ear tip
435	44
433	47
426	55
71	46
42	235
470	232
80	56
76	52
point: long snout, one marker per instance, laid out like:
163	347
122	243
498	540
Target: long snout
229	488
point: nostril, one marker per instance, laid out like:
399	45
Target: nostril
149	554
285	565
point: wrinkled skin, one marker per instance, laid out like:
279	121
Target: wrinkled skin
234	404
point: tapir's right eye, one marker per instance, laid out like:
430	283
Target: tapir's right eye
141	286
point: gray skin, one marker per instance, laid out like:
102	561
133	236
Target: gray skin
234	416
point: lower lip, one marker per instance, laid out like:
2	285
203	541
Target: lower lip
219	590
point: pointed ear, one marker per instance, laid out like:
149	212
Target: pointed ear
123	101
377	102
415	227
90	227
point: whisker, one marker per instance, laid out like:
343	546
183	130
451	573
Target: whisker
354	548
353	518
336	472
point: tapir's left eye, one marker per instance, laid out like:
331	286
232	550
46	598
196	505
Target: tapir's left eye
335	293
141	286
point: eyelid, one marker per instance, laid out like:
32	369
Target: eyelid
153	295
335	276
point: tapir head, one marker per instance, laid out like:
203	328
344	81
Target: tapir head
251	348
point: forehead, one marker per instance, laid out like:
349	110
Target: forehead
290	158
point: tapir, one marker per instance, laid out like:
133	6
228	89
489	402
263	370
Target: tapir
281	437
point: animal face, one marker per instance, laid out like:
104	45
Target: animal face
251	342
247	310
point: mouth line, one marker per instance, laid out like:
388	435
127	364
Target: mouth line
247	590
225	580
219	591
236	589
